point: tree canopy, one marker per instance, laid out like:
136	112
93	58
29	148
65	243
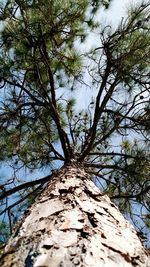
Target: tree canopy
43	64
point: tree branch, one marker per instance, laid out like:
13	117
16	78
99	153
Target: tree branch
98	112
20	200
103	166
142	192
113	154
25	185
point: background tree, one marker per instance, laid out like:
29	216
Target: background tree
41	63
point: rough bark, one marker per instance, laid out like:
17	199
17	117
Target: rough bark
73	224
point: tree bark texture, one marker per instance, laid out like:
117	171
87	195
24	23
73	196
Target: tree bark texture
73	224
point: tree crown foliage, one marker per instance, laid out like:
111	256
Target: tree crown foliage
41	64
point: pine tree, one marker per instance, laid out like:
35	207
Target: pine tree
43	66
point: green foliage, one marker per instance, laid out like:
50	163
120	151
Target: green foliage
4	233
147	220
126	45
38	46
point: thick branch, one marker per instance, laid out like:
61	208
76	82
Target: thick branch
98	112
44	54
25	185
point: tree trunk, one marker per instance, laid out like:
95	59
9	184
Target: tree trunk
73	224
